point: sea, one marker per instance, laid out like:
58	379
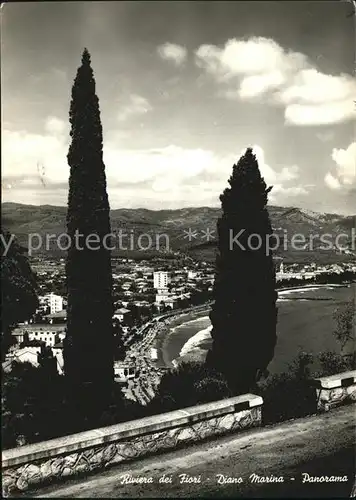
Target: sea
305	324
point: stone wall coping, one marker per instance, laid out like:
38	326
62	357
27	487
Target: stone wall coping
95	437
339	380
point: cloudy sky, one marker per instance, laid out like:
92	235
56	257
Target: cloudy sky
184	88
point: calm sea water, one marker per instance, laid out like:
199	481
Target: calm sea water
305	323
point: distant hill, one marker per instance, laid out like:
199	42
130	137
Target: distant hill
22	220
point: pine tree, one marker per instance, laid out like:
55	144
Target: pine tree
244	314
88	347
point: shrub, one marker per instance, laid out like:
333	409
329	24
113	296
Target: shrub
289	395
332	363
211	389
189	384
34	405
345	317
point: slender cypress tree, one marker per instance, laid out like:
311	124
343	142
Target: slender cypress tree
88	349
244	314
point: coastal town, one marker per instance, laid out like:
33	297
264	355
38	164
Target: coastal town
178	250
148	298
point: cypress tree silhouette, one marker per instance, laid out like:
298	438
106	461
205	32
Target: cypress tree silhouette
88	347
244	314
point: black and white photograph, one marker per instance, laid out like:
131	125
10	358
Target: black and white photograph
178	249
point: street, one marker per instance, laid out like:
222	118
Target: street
322	445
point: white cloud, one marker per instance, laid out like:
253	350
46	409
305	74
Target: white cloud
289	191
165	167
280	180
255	85
345	160
170	176
256	56
344	173
331	181
24	152
259	66
312	86
173	52
270	175
137	105
54	125
320	114
289	173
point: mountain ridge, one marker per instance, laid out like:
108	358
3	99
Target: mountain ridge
22	219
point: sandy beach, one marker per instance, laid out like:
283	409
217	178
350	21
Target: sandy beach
170	339
305	323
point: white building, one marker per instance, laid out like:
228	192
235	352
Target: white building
160	280
162	297
54	302
153	354
57	351
42	333
121	313
46	336
123	371
25	355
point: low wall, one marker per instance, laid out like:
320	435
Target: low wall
335	390
36	464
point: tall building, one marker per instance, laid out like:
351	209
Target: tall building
160	280
160	283
55	303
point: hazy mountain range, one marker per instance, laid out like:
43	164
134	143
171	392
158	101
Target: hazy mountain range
177	224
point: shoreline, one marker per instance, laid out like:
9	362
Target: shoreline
158	334
164	336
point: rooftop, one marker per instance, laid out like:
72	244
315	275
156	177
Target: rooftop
45	327
122	310
59	314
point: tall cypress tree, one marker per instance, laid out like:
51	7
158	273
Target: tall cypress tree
244	314
88	350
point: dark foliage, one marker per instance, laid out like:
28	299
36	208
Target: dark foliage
244	314
345	317
47	361
189	384
289	395
88	349
18	289
32	405
332	363
35	407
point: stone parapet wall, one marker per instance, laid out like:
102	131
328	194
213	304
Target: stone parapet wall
37	464
335	390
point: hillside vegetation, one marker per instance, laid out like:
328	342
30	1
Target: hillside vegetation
22	220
